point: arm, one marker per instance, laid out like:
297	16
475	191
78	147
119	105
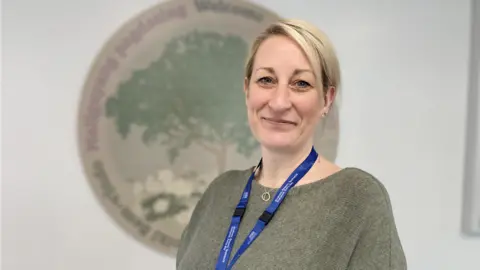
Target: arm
191	226
378	246
187	239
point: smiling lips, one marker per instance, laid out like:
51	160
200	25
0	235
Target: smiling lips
278	121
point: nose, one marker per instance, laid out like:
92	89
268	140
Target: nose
280	99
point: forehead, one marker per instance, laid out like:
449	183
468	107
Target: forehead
280	52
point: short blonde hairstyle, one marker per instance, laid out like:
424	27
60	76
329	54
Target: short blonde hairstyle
315	44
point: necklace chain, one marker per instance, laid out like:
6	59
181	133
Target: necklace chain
266	196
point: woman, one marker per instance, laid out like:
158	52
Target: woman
295	209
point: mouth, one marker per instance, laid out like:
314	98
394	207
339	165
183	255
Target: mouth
279	121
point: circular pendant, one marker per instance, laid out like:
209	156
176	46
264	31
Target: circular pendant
266	196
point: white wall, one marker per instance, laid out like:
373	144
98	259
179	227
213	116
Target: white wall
403	119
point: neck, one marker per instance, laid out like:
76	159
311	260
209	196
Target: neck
278	165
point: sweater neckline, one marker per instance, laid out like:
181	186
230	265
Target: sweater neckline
302	187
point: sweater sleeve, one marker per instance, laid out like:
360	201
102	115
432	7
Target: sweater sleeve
378	246
191	226
196	218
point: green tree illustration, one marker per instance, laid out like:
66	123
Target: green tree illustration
192	94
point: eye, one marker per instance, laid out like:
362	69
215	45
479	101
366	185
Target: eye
265	81
302	84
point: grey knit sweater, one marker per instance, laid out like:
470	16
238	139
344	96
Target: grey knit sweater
342	222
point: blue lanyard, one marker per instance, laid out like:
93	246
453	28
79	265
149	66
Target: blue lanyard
264	219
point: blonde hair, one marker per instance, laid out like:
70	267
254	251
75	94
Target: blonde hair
315	44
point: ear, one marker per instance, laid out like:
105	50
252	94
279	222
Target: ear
329	98
246	83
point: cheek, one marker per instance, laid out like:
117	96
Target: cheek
310	108
256	99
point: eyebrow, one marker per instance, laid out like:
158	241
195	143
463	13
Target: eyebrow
296	72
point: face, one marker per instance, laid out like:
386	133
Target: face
283	101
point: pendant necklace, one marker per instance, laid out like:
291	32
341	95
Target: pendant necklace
266	195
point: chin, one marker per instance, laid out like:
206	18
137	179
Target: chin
277	138
279	141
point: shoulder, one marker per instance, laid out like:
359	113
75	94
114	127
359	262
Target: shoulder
364	188
378	245
360	178
221	184
224	183
228	180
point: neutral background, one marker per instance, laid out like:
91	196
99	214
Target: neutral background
403	113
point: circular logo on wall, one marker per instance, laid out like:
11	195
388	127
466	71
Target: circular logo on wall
163	113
